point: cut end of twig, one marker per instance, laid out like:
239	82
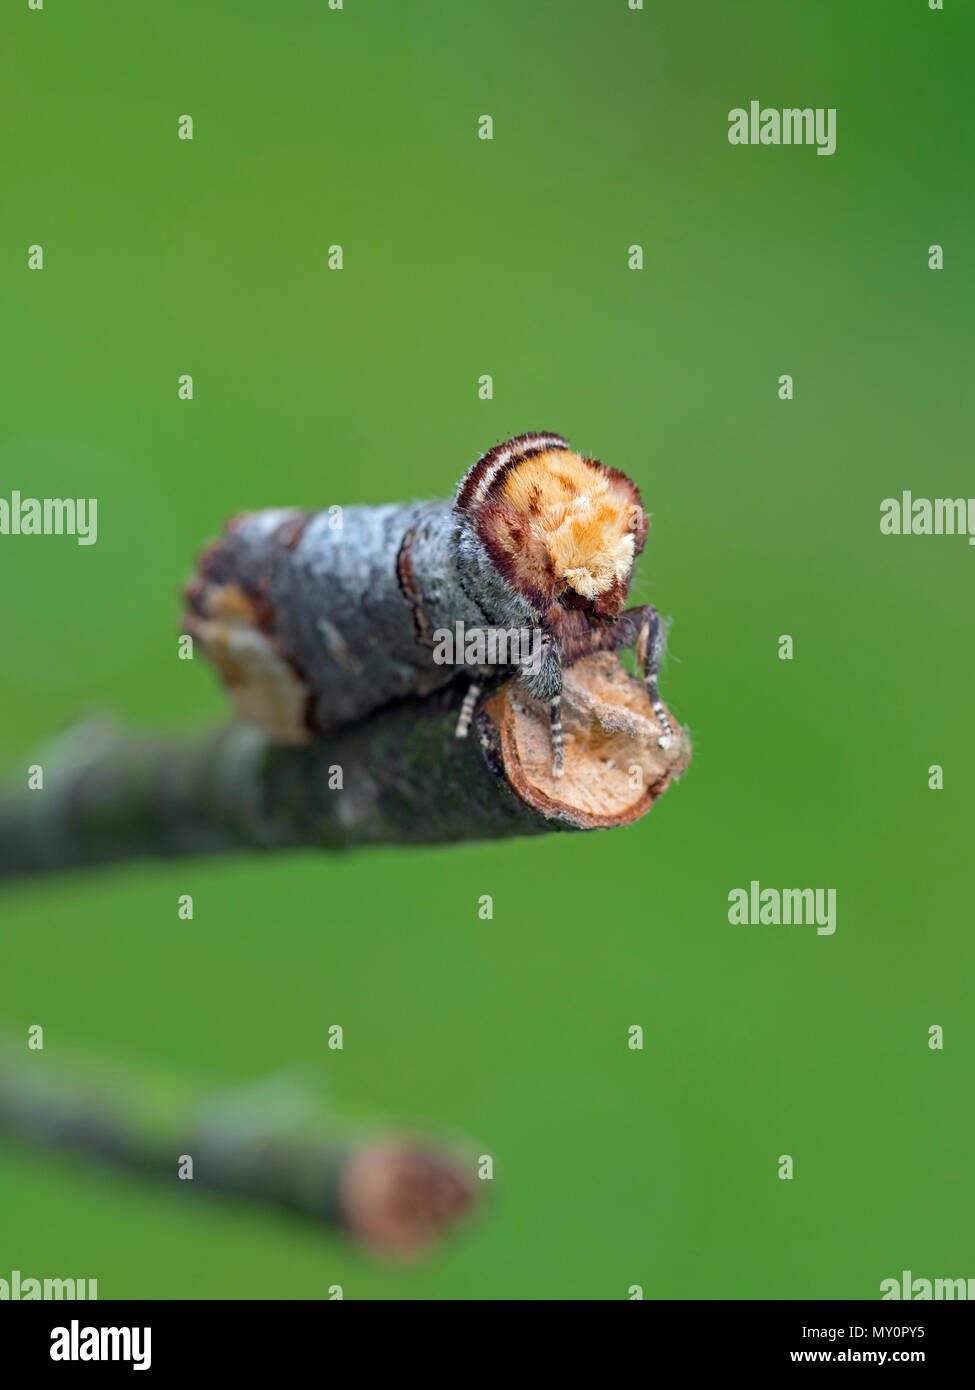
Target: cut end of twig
398	1200
615	766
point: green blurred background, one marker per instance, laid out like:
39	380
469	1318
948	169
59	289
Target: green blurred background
509	257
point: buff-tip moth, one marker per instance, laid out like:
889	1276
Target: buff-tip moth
314	625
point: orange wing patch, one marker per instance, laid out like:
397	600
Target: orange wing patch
588	518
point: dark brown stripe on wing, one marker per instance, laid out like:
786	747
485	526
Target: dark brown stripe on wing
522	447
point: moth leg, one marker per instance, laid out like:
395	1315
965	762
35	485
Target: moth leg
558	750
467	709
649	651
542	679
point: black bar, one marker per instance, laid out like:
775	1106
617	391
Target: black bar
251	1337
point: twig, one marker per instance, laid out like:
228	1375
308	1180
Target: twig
398	777
392	1195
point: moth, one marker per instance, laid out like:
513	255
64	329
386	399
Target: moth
317	618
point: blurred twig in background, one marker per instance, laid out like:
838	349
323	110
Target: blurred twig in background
392	1195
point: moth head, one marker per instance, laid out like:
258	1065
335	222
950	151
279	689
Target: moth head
560	528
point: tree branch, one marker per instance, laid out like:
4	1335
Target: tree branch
390	1194
398	777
